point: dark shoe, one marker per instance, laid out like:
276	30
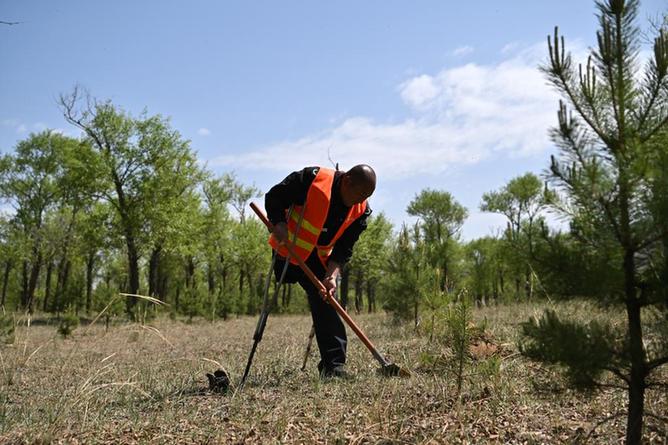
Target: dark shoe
336	372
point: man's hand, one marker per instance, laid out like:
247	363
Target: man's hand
280	232
330	285
333	270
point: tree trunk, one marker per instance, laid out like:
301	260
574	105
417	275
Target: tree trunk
153	277
90	265
61	284
34	277
358	291
47	286
634	424
57	295
371	298
251	292
133	275
284	295
241	282
163	284
634	421
502	283
416	313
66	276
528	285
24	283
5	282
665	264
211	278
345	285
190	270
443	285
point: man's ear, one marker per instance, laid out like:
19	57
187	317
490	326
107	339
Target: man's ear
345	180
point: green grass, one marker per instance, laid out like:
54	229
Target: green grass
137	384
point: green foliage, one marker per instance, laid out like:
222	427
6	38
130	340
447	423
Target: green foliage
68	323
585	350
7	328
612	191
404	291
485	267
521	200
193	302
441	219
458	335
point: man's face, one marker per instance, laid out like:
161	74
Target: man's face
352	194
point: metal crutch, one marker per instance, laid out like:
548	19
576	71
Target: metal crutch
262	321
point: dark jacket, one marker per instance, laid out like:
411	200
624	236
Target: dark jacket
293	190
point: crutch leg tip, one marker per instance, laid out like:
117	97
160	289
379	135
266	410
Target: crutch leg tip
219	381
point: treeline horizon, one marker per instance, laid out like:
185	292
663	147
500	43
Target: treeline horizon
126	208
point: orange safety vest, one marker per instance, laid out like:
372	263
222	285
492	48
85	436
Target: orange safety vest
317	206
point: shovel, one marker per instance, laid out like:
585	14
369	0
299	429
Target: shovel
387	368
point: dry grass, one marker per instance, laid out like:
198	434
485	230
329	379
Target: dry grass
138	384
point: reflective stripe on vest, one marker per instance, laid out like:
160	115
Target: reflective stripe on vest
315	213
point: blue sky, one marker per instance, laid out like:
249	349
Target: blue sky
436	94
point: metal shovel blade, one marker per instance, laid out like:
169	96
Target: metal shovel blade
392	370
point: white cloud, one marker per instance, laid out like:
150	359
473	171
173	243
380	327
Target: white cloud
463	51
204	132
460	115
419	90
21	129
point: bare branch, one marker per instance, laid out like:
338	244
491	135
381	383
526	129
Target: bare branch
619	374
602	422
653	364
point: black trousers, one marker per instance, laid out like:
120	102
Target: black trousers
330	332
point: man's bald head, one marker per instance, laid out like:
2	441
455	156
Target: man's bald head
358	184
362	175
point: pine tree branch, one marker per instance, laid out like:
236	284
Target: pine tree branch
659	67
560	64
611	386
656	416
650	241
609	74
578	107
619	374
602	422
660	126
645	114
653	364
583	162
620	78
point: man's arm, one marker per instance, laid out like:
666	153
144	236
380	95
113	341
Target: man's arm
292	190
343	250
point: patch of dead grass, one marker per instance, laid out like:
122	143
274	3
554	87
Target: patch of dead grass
138	384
